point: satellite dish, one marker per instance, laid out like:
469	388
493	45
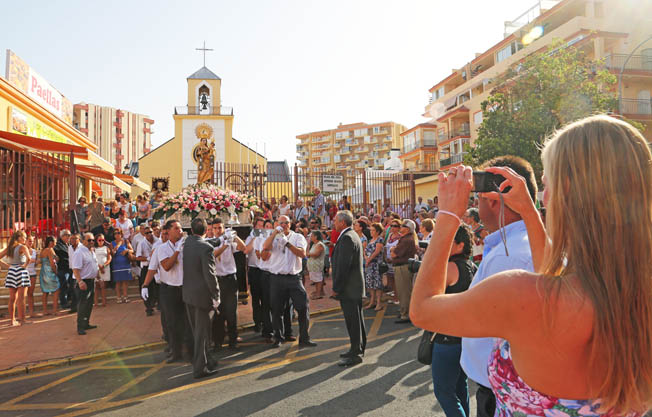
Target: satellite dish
437	110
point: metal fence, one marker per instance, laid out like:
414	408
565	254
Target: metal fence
364	190
35	190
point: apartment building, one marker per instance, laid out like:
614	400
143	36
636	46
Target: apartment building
348	149
121	136
612	30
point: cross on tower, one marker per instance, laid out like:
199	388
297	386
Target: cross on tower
203	49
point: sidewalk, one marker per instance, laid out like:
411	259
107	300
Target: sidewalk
44	340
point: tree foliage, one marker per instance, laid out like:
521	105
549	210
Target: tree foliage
537	96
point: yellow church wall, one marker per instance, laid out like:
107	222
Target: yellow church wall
163	161
278	189
215	86
426	187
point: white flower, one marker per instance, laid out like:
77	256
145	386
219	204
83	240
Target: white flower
213	211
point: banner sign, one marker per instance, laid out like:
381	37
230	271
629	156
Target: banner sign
24	78
28	125
332	183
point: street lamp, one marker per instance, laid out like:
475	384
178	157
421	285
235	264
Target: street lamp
622	69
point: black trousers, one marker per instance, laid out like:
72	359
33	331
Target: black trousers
283	289
176	319
151	289
354	319
486	401
266	304
85	306
67	285
200	323
227	312
253	275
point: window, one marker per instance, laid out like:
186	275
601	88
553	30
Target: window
477	118
508	51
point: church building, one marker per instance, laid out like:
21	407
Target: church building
202	136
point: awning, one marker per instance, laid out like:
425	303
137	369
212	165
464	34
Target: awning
87	163
95	187
15	140
133	181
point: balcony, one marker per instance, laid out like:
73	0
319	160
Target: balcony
636	107
337	145
354	158
363	149
419	144
636	62
381	132
463	132
321	139
211	111
345	150
351	142
341	167
454	159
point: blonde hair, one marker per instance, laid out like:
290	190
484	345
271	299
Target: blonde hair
599	219
13	241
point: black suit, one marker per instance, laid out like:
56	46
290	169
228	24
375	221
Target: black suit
200	290
348	283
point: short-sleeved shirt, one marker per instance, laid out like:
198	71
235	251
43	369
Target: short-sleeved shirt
258	246
283	261
154	263
252	260
225	263
173	277
85	261
145	250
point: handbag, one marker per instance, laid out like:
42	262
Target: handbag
424	352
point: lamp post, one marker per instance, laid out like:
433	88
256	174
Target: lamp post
622	69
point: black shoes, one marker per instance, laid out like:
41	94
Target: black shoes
205	373
290	339
174	358
402	321
276	343
149	313
350	361
350	354
81	332
91	327
307	343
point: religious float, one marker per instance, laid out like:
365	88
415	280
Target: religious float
207	201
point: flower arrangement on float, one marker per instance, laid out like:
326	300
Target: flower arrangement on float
207	200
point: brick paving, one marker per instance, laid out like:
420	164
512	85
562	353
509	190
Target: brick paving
119	326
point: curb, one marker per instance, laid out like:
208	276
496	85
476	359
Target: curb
74	360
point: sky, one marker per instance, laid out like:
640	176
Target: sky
287	67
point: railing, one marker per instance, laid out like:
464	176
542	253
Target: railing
454	159
636	62
634	106
381	132
211	110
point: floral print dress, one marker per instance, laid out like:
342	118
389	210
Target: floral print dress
515	398
373	280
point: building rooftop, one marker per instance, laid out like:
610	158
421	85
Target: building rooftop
278	171
203	73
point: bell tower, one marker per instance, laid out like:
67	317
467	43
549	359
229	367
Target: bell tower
204	92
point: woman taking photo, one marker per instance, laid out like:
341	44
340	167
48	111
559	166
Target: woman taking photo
103	256
120	265
580	327
17	279
449	380
48	277
373	254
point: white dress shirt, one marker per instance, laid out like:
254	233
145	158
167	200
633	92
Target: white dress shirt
225	263
173	277
154	263
85	261
252	260
145	249
258	246
283	261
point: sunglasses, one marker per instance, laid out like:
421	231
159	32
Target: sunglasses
90	240
396	225
148	233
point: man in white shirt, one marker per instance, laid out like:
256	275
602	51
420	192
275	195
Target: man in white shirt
420	205
169	263
253	274
143	253
319	205
288	249
225	245
153	276
85	270
263	257
300	211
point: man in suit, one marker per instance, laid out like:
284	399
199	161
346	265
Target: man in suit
348	285
201	294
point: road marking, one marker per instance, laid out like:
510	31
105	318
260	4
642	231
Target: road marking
375	326
104	401
46	387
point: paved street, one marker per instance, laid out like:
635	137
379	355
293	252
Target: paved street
255	380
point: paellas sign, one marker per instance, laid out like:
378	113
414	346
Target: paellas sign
43	93
332	183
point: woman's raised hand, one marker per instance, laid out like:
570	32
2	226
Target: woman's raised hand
454	190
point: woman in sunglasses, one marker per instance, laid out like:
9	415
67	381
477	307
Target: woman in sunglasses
103	256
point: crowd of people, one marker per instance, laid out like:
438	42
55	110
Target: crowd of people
493	283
